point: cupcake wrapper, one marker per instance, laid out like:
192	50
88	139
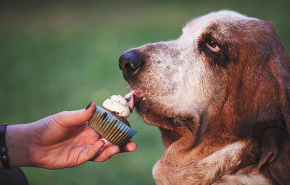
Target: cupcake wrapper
111	128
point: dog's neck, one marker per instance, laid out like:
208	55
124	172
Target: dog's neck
184	161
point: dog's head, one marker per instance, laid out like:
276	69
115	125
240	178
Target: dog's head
222	58
226	72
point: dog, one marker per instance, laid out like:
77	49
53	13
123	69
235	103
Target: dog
220	95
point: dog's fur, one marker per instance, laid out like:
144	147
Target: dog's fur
222	108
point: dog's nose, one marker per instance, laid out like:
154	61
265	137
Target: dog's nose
131	61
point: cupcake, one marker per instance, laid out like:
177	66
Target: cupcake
110	121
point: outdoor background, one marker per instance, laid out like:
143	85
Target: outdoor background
60	55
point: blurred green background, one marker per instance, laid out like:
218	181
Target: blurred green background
60	55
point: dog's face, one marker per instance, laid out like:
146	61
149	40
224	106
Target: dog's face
185	78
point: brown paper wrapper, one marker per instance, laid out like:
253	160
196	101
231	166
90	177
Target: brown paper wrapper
112	129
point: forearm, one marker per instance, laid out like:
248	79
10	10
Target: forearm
17	143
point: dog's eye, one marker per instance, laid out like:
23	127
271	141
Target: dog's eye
213	46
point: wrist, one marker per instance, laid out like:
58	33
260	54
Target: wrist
17	141
3	149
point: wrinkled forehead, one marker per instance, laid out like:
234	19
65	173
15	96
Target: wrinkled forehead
214	18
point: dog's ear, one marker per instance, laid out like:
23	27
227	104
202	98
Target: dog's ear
279	64
275	147
280	68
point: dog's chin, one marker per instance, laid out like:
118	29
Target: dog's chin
150	110
162	116
156	108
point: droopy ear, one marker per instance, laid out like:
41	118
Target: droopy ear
280	67
278	61
275	149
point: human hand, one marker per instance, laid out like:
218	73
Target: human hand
62	140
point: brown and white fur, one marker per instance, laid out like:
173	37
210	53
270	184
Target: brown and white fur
220	96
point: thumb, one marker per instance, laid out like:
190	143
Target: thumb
76	117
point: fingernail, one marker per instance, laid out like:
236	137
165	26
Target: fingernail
89	105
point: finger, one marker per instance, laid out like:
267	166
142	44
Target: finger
129	147
76	117
95	149
107	143
107	153
90	152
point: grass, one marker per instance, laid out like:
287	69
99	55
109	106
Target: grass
61	55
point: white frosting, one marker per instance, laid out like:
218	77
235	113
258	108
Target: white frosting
118	105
